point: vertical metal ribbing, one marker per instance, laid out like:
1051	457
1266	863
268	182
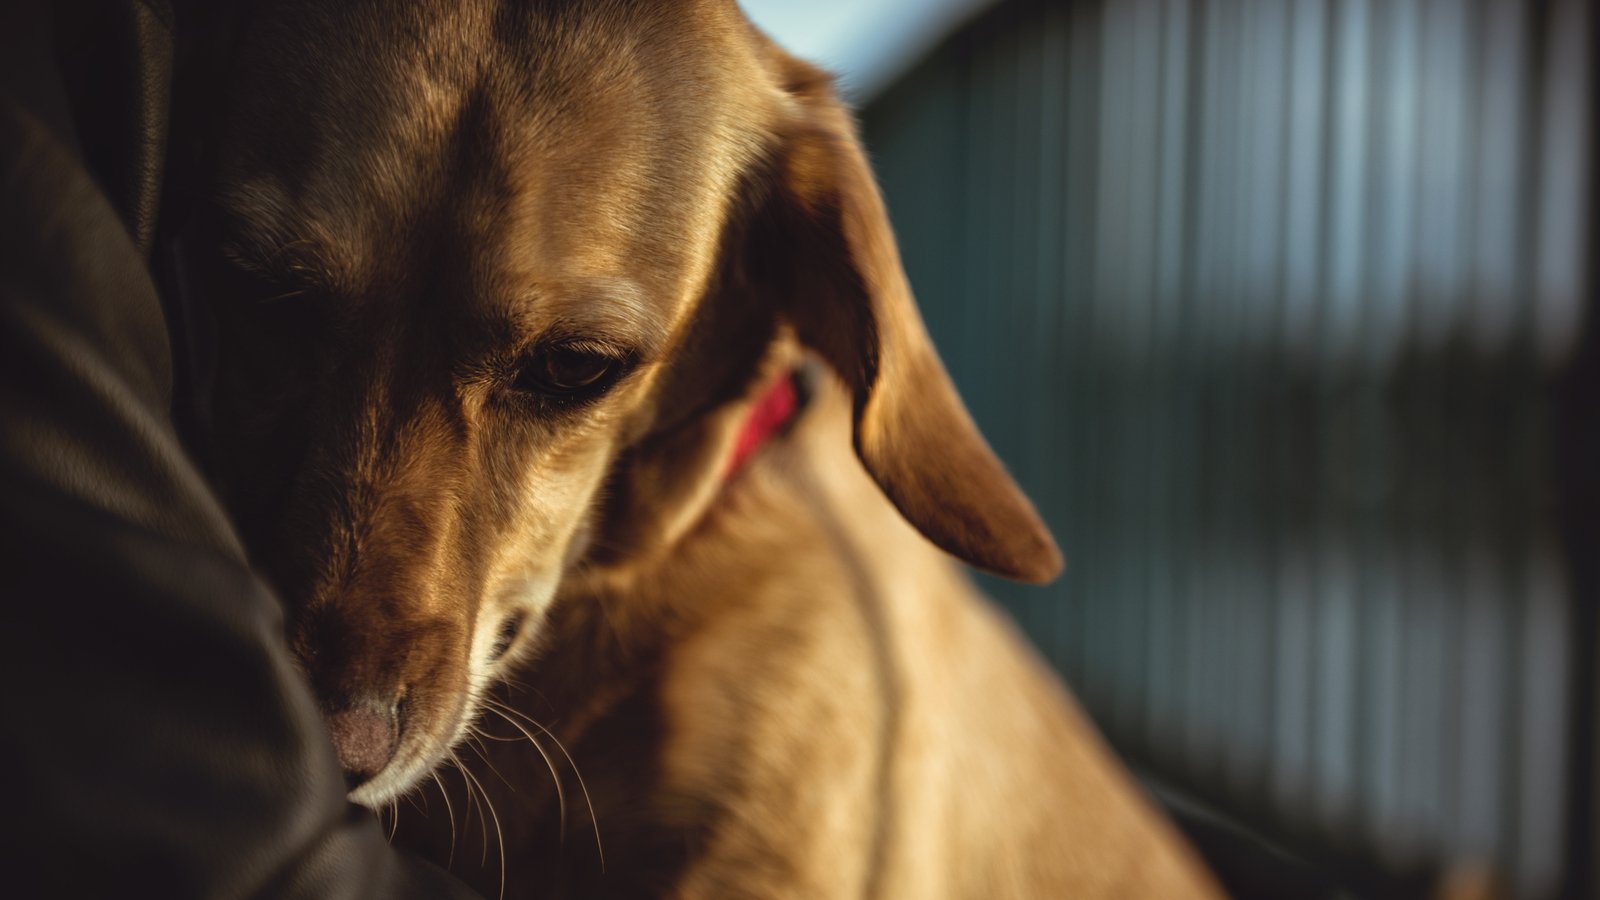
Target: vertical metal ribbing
1050	423
1023	379
1473	565
1164	538
1117	335
1187	355
1547	774
1293	640
1127	97
1394	657
1205	592
1102	594
1262	495
1139	398
977	182
1083	583
1567	341
1338	565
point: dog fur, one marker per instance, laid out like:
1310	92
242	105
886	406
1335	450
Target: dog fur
764	685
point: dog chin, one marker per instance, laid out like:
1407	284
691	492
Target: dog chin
390	784
406	772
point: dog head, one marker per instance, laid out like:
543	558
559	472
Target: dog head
472	262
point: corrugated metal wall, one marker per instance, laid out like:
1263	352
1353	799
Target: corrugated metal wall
1268	305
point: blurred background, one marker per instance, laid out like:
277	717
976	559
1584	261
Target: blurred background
1283	313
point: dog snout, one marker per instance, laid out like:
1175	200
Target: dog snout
365	735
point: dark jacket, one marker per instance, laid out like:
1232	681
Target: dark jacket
156	738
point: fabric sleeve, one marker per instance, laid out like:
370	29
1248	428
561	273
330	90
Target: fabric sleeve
155	736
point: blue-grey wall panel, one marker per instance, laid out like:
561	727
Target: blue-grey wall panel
1266	304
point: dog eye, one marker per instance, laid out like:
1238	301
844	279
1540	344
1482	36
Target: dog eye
569	371
508	634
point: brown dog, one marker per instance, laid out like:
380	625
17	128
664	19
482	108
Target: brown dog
501	286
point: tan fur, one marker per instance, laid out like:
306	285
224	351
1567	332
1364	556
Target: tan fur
770	687
994	785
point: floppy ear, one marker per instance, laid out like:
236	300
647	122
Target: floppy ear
848	298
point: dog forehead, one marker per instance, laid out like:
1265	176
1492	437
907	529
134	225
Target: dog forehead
553	140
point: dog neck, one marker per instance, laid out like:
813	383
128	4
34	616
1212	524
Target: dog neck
670	489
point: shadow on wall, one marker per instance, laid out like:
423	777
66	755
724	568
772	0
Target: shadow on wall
1282	312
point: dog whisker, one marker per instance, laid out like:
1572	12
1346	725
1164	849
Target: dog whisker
517	684
450	814
483	825
561	794
420	793
593	819
499	739
475	740
286	295
499	835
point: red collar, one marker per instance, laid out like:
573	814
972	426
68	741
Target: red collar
776	409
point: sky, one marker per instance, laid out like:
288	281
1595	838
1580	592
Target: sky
866	43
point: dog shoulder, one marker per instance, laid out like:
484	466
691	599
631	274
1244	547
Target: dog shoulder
777	713
864	721
1041	804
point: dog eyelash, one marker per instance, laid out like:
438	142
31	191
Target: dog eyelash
256	288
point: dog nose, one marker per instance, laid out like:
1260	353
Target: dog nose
365	735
